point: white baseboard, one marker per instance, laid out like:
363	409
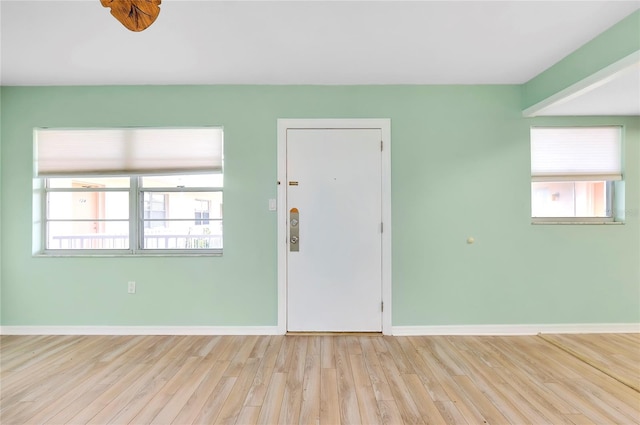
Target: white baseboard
578	328
275	330
139	330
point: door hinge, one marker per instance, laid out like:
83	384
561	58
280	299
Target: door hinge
382	306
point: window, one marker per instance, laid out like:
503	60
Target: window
155	210
202	212
573	173
130	191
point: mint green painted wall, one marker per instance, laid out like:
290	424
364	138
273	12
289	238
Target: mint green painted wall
617	42
460	167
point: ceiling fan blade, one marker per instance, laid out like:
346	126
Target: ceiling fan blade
136	15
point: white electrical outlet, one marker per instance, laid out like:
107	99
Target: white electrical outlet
132	287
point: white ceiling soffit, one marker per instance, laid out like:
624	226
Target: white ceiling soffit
298	42
614	90
619	95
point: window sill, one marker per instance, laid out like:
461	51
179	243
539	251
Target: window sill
555	221
124	255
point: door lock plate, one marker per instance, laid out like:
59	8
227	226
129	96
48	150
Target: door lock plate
294	230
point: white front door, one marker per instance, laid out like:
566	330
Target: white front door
334	211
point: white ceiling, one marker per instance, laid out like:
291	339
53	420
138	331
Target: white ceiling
298	42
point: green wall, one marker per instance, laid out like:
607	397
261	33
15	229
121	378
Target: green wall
460	167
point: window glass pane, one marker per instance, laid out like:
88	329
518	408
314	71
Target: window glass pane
570	199
183	205
88	182
591	199
80	218
193	180
182	220
88	235
183	234
154	208
88	205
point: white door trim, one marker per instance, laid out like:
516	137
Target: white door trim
385	126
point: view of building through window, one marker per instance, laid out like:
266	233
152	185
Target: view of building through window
150	212
570	199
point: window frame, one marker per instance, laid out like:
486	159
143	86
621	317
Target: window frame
140	190
610	185
127	152
609	206
135	220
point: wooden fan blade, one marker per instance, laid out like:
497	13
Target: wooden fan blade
136	15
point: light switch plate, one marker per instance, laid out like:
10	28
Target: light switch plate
272	204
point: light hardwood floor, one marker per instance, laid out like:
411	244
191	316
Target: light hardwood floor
310	380
617	355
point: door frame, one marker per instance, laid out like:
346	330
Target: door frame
384	124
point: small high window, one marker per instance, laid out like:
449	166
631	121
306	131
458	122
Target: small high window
573	173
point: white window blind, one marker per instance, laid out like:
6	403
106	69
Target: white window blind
576	153
127	151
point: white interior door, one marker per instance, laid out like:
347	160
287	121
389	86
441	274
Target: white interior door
334	265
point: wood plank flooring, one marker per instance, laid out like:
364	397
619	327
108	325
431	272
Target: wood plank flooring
314	380
617	355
